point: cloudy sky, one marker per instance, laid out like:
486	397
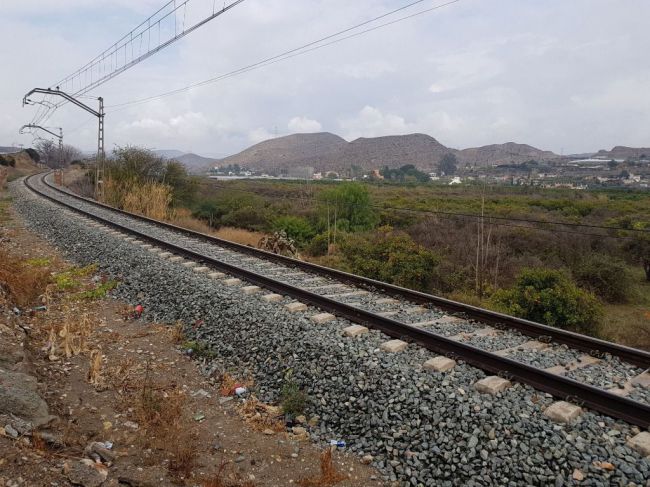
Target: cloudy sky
564	75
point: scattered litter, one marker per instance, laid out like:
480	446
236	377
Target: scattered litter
338	443
9	430
240	390
201	393
132	425
16	311
199	416
138	311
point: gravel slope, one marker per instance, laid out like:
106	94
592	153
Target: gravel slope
422	428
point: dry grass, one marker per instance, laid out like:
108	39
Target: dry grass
4	174
184	453
182	217
20	283
328	473
149	199
94	375
239	235
262	416
219	479
153	200
176	333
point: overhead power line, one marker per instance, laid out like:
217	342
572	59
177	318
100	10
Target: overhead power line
297	51
173	21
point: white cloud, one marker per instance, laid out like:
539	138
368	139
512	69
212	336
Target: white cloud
303	125
372	122
259	134
472	73
367	69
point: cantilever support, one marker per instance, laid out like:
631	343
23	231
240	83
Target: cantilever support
101	155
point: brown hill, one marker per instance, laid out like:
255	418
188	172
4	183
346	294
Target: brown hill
508	153
622	152
17	164
325	152
296	150
423	151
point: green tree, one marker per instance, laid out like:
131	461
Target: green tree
295	227
604	275
549	296
350	204
391	257
448	164
406	173
183	185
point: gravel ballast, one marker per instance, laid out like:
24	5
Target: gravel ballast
421	428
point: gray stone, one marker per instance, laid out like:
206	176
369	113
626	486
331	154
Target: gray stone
562	412
19	397
393	346
492	384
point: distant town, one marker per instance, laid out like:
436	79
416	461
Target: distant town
564	172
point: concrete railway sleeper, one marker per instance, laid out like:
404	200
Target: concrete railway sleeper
451	348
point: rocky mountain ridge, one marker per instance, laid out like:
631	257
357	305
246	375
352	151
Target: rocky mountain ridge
329	152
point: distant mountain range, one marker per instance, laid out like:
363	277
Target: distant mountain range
193	162
622	152
329	152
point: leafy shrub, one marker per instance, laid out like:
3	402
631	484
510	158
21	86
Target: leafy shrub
391	257
133	167
607	277
249	217
295	227
350	204
549	296
318	245
292	399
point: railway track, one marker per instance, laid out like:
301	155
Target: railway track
549	359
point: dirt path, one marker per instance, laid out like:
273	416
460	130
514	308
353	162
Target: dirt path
124	405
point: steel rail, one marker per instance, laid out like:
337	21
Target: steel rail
592	346
598	399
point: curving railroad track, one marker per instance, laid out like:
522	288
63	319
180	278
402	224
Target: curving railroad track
549	359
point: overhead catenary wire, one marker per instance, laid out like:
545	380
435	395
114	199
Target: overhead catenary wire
96	72
297	51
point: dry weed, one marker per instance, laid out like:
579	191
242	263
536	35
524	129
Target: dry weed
184	453
176	333
148	199
239	235
21	283
262	416
219	479
4	174
182	217
95	370
38	443
328	473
